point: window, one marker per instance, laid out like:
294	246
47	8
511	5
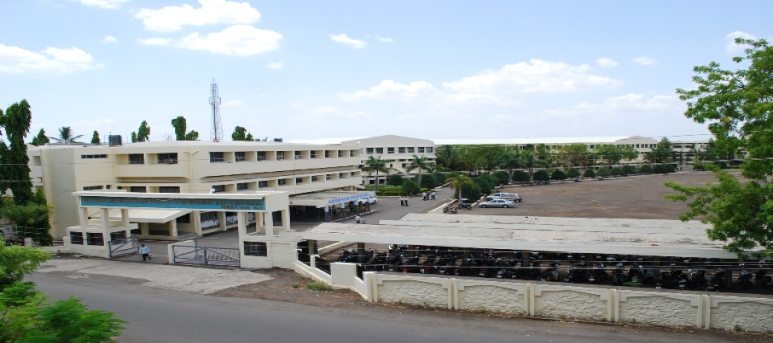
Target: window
240	156
169	158
114	236
92	188
402	150
93	156
328	177
313	179
255	249
216	157
107	186
136	159
298	180
138	189
94	239
390	150
282	181
421	149
218	188
340	153
172	189
262	183
76	237
341	175
262	155
429	149
379	150
297	155
280	155
241	186
369	151
410	150
184	219
208	216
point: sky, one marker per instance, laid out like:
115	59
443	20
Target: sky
303	70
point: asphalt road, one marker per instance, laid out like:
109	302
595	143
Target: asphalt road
156	315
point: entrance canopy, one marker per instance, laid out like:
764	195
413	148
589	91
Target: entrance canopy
332	198
257	202
146	216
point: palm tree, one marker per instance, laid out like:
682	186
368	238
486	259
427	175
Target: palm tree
418	163
66	136
376	164
530	161
457	181
511	160
448	156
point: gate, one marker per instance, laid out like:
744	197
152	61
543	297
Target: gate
207	256
123	246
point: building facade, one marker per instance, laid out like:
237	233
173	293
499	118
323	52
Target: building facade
398	150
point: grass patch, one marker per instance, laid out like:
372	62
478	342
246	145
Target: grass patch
737	327
295	285
319	286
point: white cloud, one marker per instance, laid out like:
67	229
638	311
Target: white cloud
731	47
422	93
155	41
239	40
173	18
606	62
386	39
232	103
645	61
109	4
344	39
110	39
391	90
275	65
532	77
15	60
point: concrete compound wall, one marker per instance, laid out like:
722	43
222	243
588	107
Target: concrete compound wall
561	301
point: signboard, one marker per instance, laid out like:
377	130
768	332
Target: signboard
350	198
175	203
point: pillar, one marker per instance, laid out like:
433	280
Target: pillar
125	217
269	223
196	219
327	214
144	229
105	212
242	225
84	217
221	219
173	228
285	220
260	227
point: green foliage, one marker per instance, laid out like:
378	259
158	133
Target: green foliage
33	218
383	187
541	175
319	286
40	139
193	135
17	260
521	176
66	136
458	182
603	172
659	169
646	169
440	178
501	178
573	173
627	170
95	138
484	184
670	168
617	171
376	165
420	164
449	157
510	159
721	164
429	181
143	133
558	175
577	154
589	173
16	122
241	134
612	154
737	327
410	188
471	191
389	193
134	136
663	152
395	180
632	284
180	126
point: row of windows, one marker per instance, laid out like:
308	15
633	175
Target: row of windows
401	150
93	156
94	238
280	182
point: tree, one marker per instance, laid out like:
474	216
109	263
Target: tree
573	173
457	182
143	132
660	169
509	161
663	152
577	154
617	171
32	219
376	165
66	136
17	261
558	175
589	173
737	104
612	154
603	172
16	172
410	188
241	134
395	180
419	164
180	126
95	137
521	176
192	135
530	162
645	169
541	175
40	139
134	137
448	156
629	170
502	177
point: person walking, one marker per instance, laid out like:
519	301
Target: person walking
357	219
406	201
423	195
402	200
145	251
432	195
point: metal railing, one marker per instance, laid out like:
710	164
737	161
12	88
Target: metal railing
207	256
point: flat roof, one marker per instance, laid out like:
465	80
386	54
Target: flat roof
125	194
610	239
192	143
322	199
145	215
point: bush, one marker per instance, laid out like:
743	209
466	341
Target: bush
319	286
395	180
382	188
573	173
646	169
698	166
629	170
616	171
409	188
501	177
541	175
670	168
389	193
603	171
558	175
484	184
520	176
659	169
589	173
721	164
441	178
471	192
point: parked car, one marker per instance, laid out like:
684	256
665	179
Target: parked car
371	200
515	197
497	203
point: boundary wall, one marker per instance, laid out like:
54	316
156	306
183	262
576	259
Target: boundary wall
665	307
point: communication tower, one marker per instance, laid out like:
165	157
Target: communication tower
216	133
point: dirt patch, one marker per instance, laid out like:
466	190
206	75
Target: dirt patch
286	285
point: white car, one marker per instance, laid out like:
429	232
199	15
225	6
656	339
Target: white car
497	203
515	197
371	200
